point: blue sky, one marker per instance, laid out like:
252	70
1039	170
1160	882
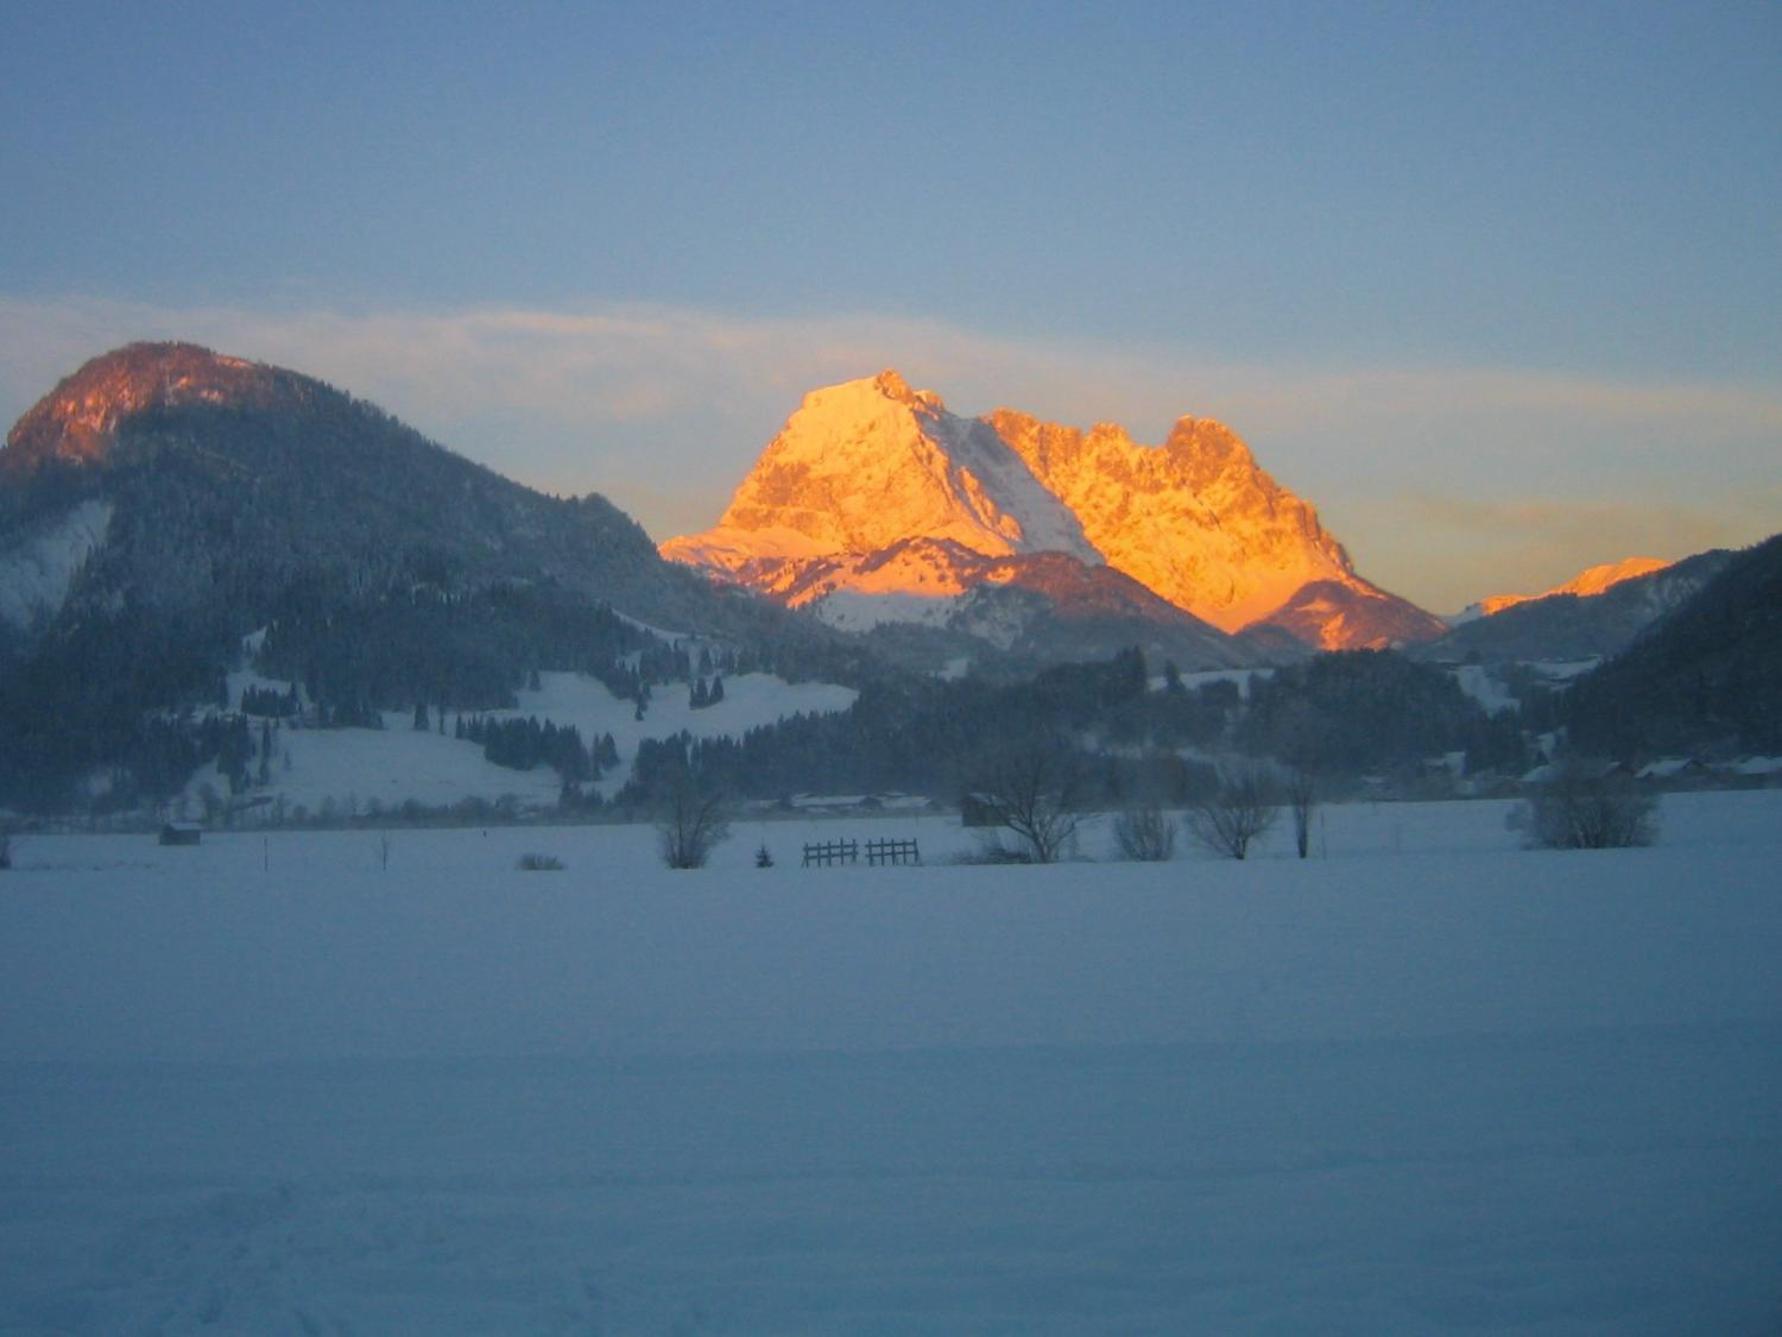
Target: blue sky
1495	285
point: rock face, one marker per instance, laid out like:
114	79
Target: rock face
77	422
864	467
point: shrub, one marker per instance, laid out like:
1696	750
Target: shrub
540	863
1145	835
1580	811
1029	787
1238	814
691	823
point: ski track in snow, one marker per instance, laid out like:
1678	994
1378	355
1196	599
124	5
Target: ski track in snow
1426	1083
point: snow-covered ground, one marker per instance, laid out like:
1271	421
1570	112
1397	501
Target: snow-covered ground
1427	1082
36	575
348	770
1484	687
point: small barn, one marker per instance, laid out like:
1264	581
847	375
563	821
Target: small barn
181	833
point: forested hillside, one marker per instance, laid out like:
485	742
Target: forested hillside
1707	678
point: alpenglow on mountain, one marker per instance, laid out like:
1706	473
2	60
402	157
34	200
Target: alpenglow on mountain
872	466
169	514
165	476
1587	584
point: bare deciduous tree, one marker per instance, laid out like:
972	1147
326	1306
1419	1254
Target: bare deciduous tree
1145	834
693	821
1240	812
1585	809
1030	787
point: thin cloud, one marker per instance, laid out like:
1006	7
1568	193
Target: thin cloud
1420	470
1522	545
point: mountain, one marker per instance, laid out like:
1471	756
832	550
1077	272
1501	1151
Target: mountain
1587	583
182	473
1707	678
165	502
1576	624
1035	608
865	466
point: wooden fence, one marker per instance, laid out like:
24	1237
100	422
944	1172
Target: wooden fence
892	851
831	852
825	853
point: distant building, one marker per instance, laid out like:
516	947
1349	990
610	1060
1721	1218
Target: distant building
979	810
1672	770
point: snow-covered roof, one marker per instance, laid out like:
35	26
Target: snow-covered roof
1666	768
1757	766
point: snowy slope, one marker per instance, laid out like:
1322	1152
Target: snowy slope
1586	584
1486	688
38	568
1428	1084
347	770
1599	614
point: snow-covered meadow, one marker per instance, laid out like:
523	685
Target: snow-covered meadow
350	771
1424	1082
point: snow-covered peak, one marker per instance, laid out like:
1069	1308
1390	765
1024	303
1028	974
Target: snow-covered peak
868	462
1586	584
871	463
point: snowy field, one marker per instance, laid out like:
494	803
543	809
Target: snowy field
348	771
1425	1083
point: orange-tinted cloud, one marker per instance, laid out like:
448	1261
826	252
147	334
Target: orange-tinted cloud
1447	483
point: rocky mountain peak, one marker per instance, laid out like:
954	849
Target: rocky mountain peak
866	464
891	385
77	421
1207	443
